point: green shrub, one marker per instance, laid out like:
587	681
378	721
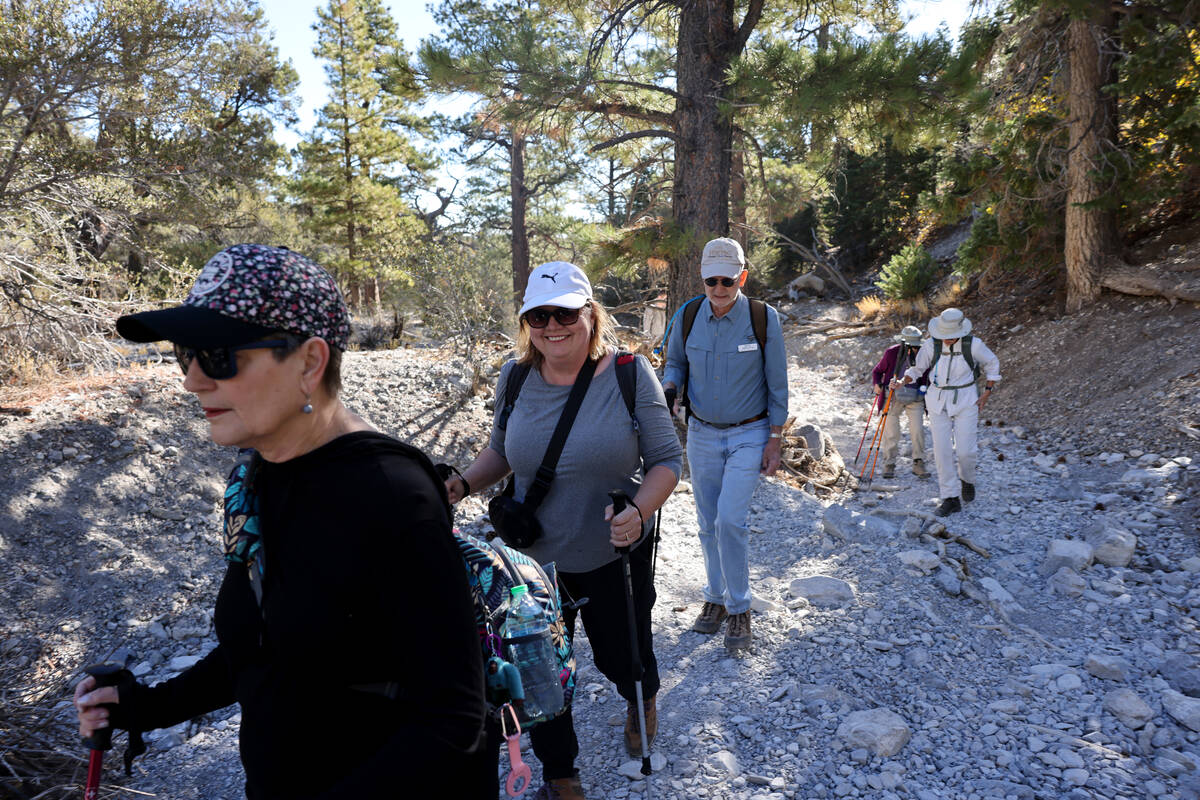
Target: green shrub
907	274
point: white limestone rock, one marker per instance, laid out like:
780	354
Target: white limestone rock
1066	553
1185	710
633	769
922	560
1130	710
1113	546
879	730
1106	667
1067	582
823	591
725	762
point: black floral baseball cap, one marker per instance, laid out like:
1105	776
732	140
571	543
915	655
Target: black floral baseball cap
244	293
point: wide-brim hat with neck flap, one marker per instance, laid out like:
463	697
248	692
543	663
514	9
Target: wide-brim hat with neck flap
950	324
911	336
556	283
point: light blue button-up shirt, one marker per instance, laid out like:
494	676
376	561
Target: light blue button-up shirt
728	380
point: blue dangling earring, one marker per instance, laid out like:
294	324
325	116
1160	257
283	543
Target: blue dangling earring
307	407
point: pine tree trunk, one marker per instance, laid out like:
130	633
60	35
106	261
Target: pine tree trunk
700	202
520	236
737	191
1091	233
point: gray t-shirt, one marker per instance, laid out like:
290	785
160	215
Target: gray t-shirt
602	453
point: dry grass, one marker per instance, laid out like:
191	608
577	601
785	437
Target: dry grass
950	294
874	308
914	308
870	307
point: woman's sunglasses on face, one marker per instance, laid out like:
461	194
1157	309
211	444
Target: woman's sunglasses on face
219	363
726	282
540	317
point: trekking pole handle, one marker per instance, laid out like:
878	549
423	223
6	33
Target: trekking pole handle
106	674
620	500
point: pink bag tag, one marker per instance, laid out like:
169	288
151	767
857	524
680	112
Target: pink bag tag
519	773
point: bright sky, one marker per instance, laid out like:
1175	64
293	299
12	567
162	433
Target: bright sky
292	21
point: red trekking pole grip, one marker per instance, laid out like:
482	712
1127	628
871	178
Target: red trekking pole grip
106	674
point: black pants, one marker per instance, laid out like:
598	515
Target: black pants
605	620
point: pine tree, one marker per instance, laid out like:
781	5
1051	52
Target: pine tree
496	52
358	164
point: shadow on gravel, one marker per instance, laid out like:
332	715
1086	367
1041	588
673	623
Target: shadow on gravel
100	529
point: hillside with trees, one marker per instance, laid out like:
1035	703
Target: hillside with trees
137	138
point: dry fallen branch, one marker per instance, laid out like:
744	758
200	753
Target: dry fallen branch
863	332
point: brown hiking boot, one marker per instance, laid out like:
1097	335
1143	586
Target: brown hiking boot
633	730
889	470
919	469
710	619
737	633
561	789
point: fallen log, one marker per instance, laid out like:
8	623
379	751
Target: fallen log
1150	281
863	332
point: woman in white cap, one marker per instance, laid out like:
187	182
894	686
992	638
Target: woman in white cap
344	621
566	337
955	360
909	401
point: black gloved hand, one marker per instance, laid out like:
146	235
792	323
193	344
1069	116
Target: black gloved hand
671	394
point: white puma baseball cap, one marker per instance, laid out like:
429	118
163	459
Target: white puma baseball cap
556	283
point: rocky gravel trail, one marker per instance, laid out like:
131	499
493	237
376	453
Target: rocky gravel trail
1059	658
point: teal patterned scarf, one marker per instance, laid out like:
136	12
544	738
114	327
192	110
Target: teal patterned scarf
243	536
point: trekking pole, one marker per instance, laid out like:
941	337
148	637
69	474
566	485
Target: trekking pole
106	674
870	416
877	439
887	408
620	500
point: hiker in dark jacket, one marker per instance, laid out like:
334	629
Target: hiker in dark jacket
313	619
909	400
562	327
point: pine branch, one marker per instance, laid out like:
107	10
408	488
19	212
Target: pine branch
645	134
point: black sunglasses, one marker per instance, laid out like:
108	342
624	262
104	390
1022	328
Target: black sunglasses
726	282
540	317
220	363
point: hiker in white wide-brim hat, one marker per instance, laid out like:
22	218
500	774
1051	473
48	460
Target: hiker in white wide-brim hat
955	360
908	401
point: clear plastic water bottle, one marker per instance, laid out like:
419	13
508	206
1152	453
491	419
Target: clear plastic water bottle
526	633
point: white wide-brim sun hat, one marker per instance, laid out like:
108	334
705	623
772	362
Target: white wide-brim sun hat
950	324
556	283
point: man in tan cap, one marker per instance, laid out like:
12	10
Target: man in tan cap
954	360
726	361
909	401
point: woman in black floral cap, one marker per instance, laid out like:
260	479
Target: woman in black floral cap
344	622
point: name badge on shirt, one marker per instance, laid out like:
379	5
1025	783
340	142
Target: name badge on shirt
748	348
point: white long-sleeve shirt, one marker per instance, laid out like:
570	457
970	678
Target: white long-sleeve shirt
952	370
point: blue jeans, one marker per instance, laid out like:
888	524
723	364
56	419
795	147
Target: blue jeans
725	464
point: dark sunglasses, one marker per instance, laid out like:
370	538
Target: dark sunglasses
540	317
726	282
220	363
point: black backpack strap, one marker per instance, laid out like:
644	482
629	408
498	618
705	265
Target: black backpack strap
541	482
512	388
690	310
968	357
758	321
627	370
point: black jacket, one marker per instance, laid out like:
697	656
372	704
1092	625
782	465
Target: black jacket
363	584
